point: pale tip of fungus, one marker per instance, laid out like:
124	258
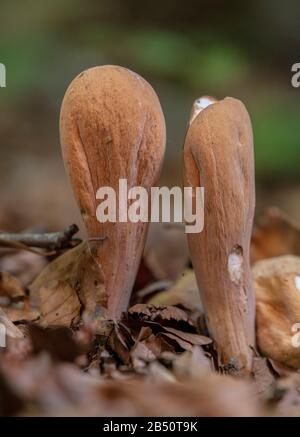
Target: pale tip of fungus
200	104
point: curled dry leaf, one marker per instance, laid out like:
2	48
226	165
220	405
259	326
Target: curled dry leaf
287	391
264	379
21	314
184	292
157	314
191	364
59	304
194	339
274	235
59	343
78	269
277	287
169	323
11	329
112	127
218	155
17	307
11	286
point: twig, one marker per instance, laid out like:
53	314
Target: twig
52	241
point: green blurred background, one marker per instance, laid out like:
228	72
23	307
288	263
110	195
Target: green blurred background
184	48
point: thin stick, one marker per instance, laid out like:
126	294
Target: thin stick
52	241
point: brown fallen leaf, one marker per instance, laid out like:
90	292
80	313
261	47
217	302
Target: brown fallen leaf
274	235
11	286
60	343
59	304
147	332
11	329
23	314
185	345
195	339
277	287
143	353
116	345
157	313
264	379
191	364
184	292
287	395
78	269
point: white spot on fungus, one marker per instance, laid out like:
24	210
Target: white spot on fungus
235	264
297	282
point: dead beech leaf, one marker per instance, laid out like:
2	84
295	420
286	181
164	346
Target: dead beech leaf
156	313
264	379
59	304
184	292
274	235
11	286
277	288
192	364
288	392
24	314
60	343
195	339
77	268
185	345
148	347
11	329
142	353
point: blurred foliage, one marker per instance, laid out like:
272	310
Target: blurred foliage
184	48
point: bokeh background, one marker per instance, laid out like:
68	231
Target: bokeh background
183	48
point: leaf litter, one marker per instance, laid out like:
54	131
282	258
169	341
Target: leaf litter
63	358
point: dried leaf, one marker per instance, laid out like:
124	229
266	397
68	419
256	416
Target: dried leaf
21	314
11	286
264	379
77	268
184	292
11	329
195	339
273	236
276	283
191	364
59	304
182	343
156	313
59	343
287	394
